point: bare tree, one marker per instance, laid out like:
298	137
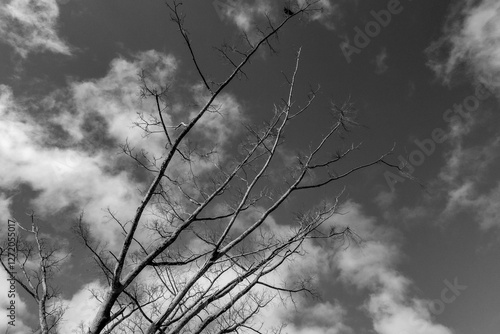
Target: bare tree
38	260
201	261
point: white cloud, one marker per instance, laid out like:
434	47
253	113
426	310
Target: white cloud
301	314
488	208
31	26
115	98
244	14
319	318
81	309
485	206
393	316
471	36
373	267
63	177
224	119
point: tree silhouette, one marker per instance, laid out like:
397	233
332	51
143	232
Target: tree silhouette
200	261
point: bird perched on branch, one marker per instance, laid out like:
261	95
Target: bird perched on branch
288	11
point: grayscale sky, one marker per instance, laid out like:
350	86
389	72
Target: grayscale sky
423	75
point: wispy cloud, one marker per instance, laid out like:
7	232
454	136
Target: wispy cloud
31	26
244	14
372	267
384	199
465	177
380	61
323	11
471	36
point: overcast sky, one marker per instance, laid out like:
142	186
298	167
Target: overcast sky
423	75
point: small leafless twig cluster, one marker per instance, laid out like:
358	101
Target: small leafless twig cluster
37	261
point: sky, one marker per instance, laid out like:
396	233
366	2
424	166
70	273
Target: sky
424	77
